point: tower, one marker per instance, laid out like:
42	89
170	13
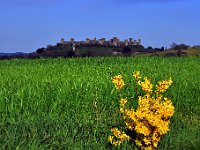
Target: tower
130	41
139	41
126	42
134	42
87	41
62	40
72	40
115	41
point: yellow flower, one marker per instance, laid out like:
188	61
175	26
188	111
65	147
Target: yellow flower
110	139
130	124
123	102
150	120
163	85
138	142
115	143
146	85
147	148
142	129
121	136
136	75
147	141
118	82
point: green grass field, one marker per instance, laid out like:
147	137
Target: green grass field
72	103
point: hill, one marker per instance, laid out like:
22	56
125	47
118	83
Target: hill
97	50
12	54
167	53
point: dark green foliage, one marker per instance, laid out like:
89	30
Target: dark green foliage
175	46
71	54
162	48
40	50
93	51
126	50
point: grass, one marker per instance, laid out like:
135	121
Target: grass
72	103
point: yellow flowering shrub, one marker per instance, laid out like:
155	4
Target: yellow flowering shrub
118	82
150	121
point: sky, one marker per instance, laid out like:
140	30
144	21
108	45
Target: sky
26	25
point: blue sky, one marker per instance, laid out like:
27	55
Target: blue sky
26	25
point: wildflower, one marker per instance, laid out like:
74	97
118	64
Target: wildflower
110	139
163	85
138	142
147	141
147	86
150	121
130	124
136	75
142	129
123	102
118	82
147	148
121	136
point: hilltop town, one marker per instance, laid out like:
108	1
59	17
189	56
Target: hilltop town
92	47
112	42
102	47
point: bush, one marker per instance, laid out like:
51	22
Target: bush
175	46
146	125
71	54
87	54
126	50
40	50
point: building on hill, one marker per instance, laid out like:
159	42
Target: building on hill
103	42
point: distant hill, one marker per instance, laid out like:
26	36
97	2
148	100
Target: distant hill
12	54
96	50
195	51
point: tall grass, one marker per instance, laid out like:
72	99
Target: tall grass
71	103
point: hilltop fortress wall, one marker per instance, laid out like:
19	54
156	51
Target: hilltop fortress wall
114	42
